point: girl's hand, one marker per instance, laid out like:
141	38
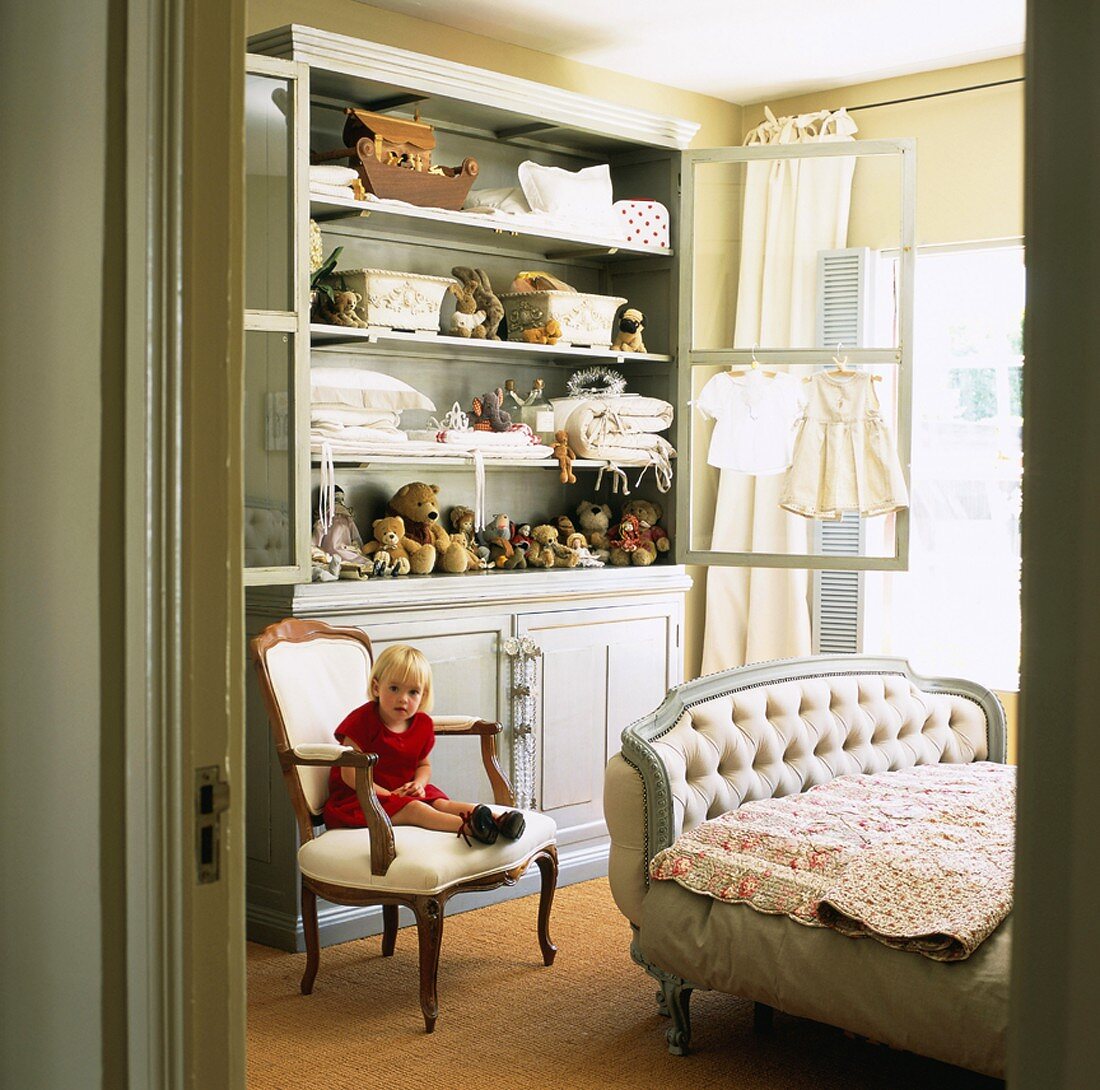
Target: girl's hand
412	789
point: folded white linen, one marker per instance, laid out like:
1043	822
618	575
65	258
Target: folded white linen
364	448
329	174
319	189
349	433
519	435
363	418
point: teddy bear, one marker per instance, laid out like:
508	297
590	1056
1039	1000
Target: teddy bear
487	414
543	334
391	557
476	282
637	539
565	455
629	335
498	537
547	551
462	528
339	308
594	520
418	505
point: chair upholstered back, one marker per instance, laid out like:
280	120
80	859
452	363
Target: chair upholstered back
315	684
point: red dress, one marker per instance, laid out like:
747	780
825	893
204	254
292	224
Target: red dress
398	756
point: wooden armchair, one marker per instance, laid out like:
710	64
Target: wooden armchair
311	675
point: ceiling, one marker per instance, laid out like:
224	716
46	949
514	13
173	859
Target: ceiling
744	51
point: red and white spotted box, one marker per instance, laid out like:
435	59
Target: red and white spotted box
644	223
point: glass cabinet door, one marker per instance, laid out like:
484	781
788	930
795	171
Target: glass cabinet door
795	360
276	323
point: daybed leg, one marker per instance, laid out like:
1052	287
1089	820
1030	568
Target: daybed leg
313	939
662	1006
548	867
677	996
762	1018
389	930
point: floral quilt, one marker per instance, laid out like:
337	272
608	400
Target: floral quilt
920	859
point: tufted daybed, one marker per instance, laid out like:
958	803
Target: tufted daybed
776	729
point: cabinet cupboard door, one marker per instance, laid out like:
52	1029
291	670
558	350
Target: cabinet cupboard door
600	670
276	323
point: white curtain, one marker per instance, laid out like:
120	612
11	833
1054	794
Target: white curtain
793	209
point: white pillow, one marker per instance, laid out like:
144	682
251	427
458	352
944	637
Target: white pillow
509	199
582	197
332	175
360	389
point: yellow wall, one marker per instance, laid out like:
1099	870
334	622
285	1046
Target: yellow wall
970	148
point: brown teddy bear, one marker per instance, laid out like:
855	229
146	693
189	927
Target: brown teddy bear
392	556
543	334
564	454
417	504
594	520
637	539
336	307
547	551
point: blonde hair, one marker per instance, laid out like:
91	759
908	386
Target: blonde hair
403	664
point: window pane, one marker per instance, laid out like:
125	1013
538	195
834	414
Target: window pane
269	212
268	469
957	610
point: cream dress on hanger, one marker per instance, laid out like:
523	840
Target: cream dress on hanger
844	455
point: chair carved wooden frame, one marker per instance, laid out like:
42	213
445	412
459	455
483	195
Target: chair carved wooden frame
427	907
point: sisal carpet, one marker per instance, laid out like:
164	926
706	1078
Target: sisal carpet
506	1022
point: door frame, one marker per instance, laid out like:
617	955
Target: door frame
183	189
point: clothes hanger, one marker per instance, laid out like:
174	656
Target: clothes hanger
842	367
754	366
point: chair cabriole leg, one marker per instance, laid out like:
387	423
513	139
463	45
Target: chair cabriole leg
548	867
313	939
429	930
389	930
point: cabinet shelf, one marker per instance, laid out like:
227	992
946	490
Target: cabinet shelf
455	461
437	226
397	343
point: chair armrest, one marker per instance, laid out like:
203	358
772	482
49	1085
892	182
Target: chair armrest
457	726
382	849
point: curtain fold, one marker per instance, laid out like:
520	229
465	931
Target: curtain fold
793	209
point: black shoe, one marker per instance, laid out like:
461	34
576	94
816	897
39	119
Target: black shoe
480	824
511	824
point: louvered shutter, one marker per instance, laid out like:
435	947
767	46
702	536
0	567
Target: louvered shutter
843	313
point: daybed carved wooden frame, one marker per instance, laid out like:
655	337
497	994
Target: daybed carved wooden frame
427	909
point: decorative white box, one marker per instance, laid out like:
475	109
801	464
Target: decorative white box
396	300
644	223
585	320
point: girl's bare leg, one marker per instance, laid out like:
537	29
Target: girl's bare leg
453	806
428	817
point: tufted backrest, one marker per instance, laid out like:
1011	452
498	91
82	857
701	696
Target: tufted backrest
775	729
789	736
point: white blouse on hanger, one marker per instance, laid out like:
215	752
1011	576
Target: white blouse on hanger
754	417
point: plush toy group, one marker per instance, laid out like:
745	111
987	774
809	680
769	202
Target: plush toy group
411	539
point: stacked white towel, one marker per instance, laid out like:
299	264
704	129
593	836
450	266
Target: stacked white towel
331	181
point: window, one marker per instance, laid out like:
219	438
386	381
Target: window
957	610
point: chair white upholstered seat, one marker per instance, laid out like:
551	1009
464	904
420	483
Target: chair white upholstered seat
426	862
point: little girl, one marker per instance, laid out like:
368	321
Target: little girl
393	726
